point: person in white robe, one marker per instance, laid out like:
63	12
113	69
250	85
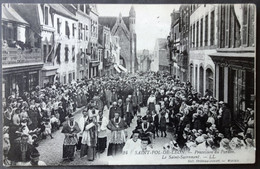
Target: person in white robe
102	132
132	144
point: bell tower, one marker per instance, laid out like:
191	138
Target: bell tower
132	20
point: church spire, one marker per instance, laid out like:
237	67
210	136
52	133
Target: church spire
132	19
132	11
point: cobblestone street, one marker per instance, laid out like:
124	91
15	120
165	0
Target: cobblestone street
51	149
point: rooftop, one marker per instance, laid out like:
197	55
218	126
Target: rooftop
9	14
60	9
110	21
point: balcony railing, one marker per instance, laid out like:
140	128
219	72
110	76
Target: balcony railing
94	59
16	56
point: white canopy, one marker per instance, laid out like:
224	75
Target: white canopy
122	68
117	69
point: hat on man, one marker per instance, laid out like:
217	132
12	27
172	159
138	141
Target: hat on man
210	141
220	135
70	115
221	102
139	115
145	138
135	131
249	109
35	153
225	142
200	139
24	135
144	118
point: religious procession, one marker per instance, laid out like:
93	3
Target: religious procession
140	110
114	84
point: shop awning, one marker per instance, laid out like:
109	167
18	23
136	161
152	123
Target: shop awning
23	67
117	69
49	70
9	14
122	68
233	55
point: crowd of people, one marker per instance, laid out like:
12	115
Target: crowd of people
172	107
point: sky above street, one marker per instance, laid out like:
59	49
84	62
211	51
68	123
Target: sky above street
152	21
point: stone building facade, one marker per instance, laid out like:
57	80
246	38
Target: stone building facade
203	37
144	61
65	36
40	18
104	40
93	47
83	38
22	59
235	58
124	28
183	57
160	60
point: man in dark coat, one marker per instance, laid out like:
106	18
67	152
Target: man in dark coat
113	109
155	123
128	111
21	151
121	108
226	120
146	129
114	97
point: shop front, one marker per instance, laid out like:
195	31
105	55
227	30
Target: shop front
93	69
48	75
17	80
235	82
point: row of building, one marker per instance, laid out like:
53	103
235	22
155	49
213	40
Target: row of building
213	47
47	43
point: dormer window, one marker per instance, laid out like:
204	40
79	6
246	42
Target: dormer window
81	7
73	29
87	11
46	13
58	24
67	30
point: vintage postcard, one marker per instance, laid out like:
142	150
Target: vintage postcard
121	84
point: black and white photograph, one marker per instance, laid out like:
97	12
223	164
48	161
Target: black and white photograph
128	84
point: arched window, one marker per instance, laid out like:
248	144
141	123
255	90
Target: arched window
191	73
209	80
201	83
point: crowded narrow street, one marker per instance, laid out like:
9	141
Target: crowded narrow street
128	84
54	158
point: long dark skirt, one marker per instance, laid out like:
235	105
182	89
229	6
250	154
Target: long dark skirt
83	150
115	149
101	144
151	107
90	151
68	151
79	143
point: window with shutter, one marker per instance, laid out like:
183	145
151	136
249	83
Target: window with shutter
206	29
201	32
67	29
73	53
227	25
58	25
197	35
46	12
73	29
251	25
66	53
212	28
193	41
222	26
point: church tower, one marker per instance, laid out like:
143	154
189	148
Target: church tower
132	20
133	59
